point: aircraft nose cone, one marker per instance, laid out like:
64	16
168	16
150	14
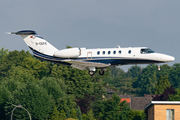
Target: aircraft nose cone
169	58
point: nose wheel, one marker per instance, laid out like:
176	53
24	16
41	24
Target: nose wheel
159	68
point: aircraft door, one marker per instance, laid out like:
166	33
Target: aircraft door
89	55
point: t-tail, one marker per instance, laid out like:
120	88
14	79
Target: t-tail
36	43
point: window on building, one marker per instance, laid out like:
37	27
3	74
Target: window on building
114	52
98	52
169	114
109	52
129	51
103	53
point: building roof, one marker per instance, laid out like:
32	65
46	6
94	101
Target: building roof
163	103
128	100
109	90
139	103
151	95
125	96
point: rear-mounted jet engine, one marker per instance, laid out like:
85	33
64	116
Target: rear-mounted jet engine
68	53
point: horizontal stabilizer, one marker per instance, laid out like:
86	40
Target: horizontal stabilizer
23	32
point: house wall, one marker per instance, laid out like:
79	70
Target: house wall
151	113
160	112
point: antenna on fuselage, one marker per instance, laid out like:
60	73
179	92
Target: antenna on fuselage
118	46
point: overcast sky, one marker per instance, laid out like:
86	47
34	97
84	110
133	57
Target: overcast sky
94	23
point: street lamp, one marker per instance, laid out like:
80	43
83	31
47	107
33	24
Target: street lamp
20	106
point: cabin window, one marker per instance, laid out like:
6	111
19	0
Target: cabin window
109	52
98	53
129	51
103	53
120	52
114	52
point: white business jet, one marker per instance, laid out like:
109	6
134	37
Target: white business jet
90	59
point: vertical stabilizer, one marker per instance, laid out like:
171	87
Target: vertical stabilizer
36	42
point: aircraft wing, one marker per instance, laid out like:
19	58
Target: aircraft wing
83	65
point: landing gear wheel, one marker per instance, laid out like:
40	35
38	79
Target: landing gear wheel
159	68
101	72
91	73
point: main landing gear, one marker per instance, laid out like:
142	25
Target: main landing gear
101	72
92	71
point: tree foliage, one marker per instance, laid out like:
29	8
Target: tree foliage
111	109
54	91
32	97
165	95
136	115
162	84
55	115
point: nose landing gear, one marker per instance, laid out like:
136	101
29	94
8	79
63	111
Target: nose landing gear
159	67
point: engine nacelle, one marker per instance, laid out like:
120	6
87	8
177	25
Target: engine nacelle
68	53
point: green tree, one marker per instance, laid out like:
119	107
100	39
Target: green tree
84	117
124	85
165	95
52	87
62	114
111	109
73	113
6	89
174	76
3	52
32	97
134	71
13	58
55	115
19	73
146	81
57	89
24	59
90	115
162	84
176	96
136	115
115	72
36	67
78	82
79	116
165	70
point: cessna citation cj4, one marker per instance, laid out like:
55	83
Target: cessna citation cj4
90	59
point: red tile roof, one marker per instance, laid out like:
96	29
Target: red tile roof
126	99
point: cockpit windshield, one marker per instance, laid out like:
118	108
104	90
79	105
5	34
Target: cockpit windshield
146	50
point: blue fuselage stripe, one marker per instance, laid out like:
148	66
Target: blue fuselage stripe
104	60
